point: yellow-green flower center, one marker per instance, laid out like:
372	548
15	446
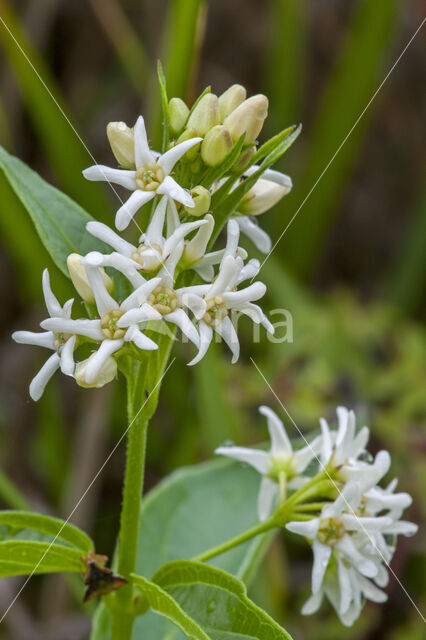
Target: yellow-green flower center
150	264
163	299
216	311
331	530
149	176
109	325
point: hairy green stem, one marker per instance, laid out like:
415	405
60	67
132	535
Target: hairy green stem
122	620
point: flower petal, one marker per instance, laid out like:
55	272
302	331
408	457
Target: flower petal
267	493
280	443
135	335
253	231
322	554
39	382
98	359
171	188
168	160
307	529
126	212
123	177
139	296
83	327
104	301
227	332
134	316
257	459
52	304
67	356
45	339
181	320
206	335
154	232
107	235
143	154
250	293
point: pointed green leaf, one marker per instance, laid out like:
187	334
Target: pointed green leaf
60	222
18	520
21	557
217	602
161	602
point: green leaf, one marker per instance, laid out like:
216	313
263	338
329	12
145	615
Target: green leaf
21	557
60	222
18	520
217	601
164	106
190	511
161	602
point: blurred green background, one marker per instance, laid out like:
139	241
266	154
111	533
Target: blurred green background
351	268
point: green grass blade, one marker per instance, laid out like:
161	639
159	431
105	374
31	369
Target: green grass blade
358	72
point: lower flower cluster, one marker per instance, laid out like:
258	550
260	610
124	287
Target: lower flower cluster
353	529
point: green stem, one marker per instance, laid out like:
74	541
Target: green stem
262	527
122	620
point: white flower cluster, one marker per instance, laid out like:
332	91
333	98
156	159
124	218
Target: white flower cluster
171	244
353	538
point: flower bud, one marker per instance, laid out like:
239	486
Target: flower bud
244	159
121	139
205	115
202	199
216	145
192	153
262	197
178	114
106	374
231	99
248	118
80	280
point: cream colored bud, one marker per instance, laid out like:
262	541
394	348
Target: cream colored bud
248	118
178	114
205	115
231	99
121	139
202	198
192	153
216	145
80	280
244	159
262	197
106	374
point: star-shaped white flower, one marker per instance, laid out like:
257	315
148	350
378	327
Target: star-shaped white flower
155	247
280	460
110	330
62	343
332	533
222	297
150	177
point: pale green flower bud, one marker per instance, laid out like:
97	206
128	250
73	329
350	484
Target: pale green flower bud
121	139
244	159
231	99
192	153
248	118
216	145
80	280
106	374
202	199
261	197
205	115
178	114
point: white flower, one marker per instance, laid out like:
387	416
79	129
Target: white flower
332	532
345	589
251	228
62	343
150	177
222	296
155	248
109	329
279	462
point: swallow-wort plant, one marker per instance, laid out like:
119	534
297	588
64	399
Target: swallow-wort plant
186	550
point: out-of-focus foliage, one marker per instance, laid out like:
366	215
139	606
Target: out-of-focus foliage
361	232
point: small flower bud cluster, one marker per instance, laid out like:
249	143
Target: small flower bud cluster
353	529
